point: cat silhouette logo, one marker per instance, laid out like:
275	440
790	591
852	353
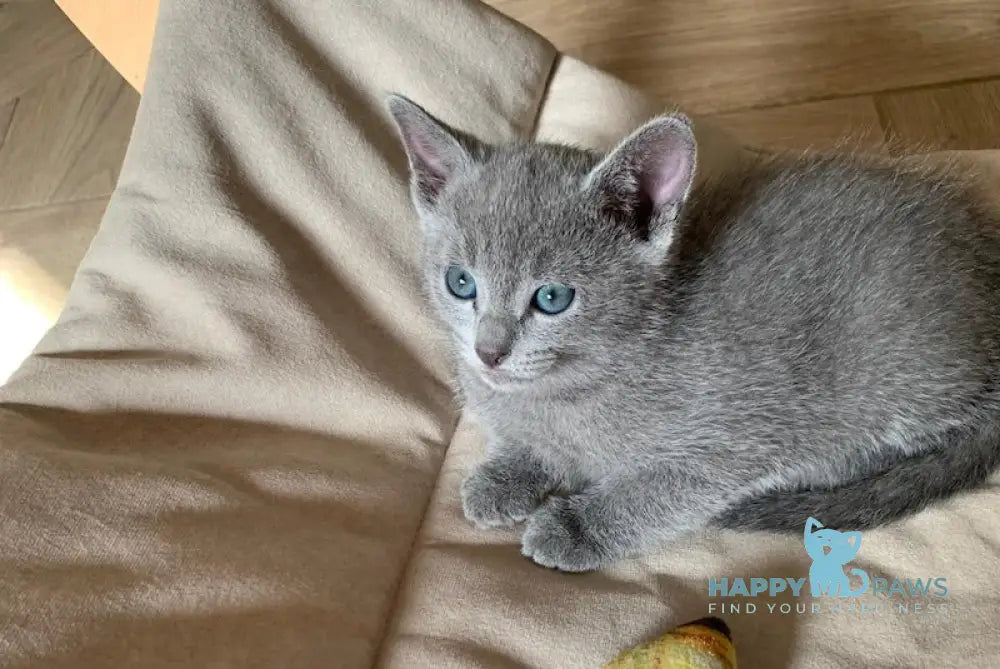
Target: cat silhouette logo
830	551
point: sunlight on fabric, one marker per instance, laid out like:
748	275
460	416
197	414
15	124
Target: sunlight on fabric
29	303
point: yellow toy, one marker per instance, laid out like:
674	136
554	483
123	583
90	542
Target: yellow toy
702	644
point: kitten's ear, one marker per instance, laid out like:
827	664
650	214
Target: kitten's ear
645	180
435	151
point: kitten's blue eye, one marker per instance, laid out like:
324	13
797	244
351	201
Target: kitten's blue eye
553	298
460	282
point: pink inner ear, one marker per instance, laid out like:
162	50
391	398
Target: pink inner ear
429	155
666	174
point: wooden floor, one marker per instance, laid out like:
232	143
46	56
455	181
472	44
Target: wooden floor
65	119
900	76
896	76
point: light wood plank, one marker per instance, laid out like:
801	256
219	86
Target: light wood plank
55	237
712	56
67	136
122	30
962	116
35	39
846	123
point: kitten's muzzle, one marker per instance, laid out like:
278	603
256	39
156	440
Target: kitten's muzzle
492	357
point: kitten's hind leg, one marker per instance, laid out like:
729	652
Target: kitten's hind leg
506	487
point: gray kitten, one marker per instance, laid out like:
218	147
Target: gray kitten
811	336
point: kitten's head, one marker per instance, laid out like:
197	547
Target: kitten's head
539	256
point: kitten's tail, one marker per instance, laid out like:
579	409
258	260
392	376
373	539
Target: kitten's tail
904	488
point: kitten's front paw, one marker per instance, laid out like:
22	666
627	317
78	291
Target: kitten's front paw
495	495
556	536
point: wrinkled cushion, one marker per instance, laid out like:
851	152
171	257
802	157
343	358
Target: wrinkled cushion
237	447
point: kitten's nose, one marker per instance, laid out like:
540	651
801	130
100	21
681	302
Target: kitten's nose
492	357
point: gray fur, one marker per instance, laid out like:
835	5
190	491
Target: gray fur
815	336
